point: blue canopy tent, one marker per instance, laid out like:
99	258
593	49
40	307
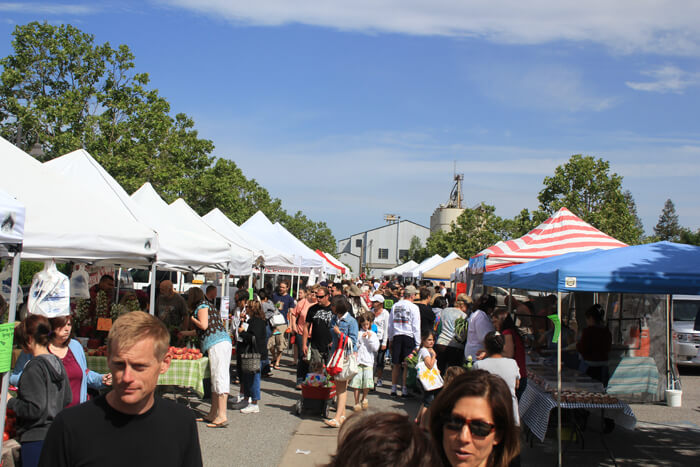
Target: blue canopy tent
662	268
655	268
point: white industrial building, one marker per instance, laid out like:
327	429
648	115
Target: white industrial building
379	249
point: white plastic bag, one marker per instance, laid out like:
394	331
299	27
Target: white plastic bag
50	293
6	285
79	281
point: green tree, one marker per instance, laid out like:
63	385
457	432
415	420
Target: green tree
416	251
586	187
668	227
59	91
689	237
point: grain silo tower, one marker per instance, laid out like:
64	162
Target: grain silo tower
447	213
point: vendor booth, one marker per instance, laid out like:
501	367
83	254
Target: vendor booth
634	286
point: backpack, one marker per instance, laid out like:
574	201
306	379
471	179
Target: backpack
461	326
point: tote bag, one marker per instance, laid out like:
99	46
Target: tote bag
335	364
250	360
429	378
350	368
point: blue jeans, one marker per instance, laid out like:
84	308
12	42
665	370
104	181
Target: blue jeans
251	385
30	453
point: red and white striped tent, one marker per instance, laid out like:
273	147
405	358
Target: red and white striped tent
562	233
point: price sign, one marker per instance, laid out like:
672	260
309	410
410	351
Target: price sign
104	324
7	332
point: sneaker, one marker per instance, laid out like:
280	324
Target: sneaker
251	408
393	394
379	383
405	393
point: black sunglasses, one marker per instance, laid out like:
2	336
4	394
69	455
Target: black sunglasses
320	296
476	427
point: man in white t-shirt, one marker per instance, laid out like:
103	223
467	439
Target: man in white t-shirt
404	336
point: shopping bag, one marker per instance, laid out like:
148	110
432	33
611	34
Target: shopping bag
335	364
429	378
79	280
6	285
250	359
350	368
49	294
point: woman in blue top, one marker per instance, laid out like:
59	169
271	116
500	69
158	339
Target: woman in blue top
216	342
342	324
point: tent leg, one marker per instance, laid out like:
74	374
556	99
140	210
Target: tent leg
119	277
670	383
152	301
10	319
559	457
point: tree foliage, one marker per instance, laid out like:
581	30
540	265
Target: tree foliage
668	227
689	237
586	187
59	91
416	251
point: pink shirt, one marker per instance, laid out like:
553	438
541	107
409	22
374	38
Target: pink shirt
300	311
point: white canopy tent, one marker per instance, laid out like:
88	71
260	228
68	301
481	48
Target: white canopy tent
188	250
260	226
398	270
218	221
67	221
422	267
242	257
308	256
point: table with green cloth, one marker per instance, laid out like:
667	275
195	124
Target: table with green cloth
184	373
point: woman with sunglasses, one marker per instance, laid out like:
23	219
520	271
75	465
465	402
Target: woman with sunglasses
472	422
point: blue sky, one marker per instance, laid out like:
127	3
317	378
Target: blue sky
349	110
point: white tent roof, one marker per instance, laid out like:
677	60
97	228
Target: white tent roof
309	258
400	268
218	221
66	220
422	267
242	257
260	226
181	247
11	220
334	260
174	246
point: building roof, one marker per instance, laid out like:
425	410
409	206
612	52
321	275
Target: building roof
383	227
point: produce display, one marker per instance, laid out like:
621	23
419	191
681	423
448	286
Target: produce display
10	421
100	351
184	353
585	397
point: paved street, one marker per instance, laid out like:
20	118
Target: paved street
275	436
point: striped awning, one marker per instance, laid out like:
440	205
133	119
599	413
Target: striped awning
562	233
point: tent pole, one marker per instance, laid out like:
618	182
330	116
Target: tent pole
510	300
670	384
559	462
119	277
152	302
10	319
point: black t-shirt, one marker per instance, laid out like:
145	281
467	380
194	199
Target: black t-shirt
427	317
94	434
320	318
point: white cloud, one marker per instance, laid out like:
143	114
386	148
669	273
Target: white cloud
666	79
548	87
661	26
47	8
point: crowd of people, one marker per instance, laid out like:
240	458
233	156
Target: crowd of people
469	418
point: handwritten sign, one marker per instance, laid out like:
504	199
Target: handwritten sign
7	332
557	327
224	307
104	324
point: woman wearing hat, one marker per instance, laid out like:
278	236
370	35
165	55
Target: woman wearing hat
358	304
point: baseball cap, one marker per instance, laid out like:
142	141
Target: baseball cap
377	298
410	290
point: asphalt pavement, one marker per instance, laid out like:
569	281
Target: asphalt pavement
277	436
